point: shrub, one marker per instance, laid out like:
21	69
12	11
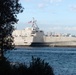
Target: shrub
36	67
39	67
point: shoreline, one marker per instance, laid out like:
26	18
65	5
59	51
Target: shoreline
21	46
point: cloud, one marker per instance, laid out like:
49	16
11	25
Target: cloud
73	7
27	0
63	30
55	1
41	5
58	28
46	3
70	28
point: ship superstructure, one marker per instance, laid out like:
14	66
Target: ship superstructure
33	36
29	36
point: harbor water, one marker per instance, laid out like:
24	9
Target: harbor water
62	59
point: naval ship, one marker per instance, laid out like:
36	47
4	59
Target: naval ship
33	36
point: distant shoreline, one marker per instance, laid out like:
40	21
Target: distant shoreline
19	46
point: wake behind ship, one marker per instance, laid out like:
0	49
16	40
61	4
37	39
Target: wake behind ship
33	36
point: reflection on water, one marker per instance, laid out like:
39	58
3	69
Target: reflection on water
63	60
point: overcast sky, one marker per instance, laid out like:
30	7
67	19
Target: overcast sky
51	15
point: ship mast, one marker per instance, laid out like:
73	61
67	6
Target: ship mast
34	25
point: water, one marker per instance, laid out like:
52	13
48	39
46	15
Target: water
62	60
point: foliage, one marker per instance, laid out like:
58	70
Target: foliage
8	17
5	68
39	67
36	67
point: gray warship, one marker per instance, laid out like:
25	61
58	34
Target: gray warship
33	36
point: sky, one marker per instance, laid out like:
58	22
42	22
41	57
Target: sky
52	15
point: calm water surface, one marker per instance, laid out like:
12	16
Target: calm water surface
63	60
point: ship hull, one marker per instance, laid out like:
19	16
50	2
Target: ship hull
54	44
49	44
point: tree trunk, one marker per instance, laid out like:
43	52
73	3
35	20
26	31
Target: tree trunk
1	50
1	53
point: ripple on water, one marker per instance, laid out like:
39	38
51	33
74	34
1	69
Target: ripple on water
63	60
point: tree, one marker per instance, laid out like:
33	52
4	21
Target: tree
8	17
